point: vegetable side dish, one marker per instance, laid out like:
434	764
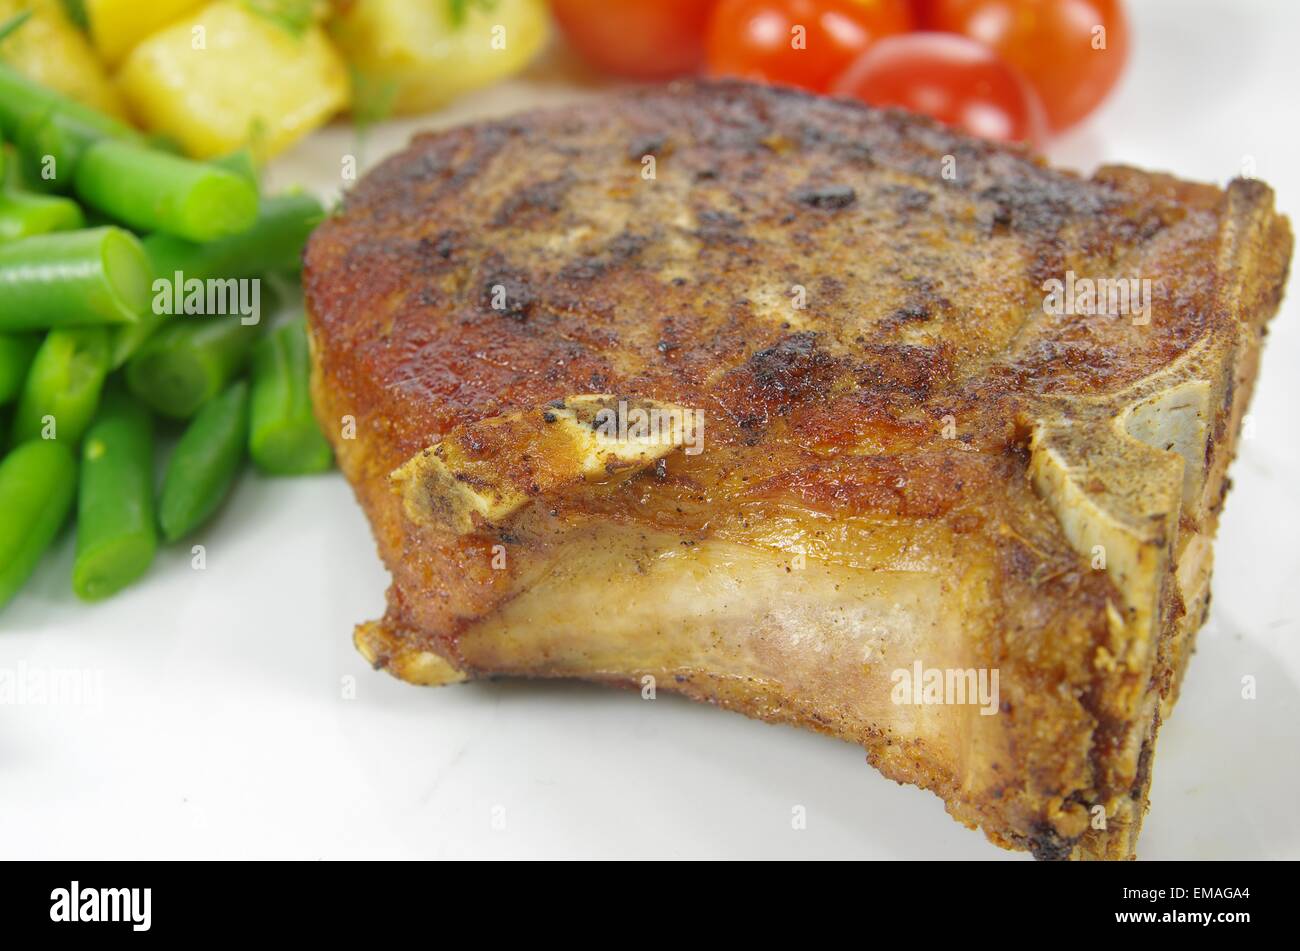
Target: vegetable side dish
131	283
213	77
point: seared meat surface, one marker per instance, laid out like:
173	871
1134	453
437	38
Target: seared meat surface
911	462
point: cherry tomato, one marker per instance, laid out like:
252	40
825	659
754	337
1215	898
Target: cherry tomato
639	39
803	43
1071	51
950	78
923	13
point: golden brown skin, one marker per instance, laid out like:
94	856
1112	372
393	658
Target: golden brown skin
917	464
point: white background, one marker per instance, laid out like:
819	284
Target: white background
222	730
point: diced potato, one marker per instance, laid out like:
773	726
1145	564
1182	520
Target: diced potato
50	50
116	26
225	77
413	54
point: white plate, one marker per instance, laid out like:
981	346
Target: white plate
230	716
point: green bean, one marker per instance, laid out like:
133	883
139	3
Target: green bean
16	352
52	145
116	534
52	130
37	483
24	102
154	191
274	243
11	174
61	392
23	215
284	437
98	275
203	466
188	362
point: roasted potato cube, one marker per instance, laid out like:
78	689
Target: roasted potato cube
116	26
226	77
50	50
417	54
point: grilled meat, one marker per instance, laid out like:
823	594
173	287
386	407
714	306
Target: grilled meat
823	414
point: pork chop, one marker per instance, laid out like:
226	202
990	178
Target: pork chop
823	414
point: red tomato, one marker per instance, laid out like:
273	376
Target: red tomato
798	42
639	39
1057	45
923	13
950	78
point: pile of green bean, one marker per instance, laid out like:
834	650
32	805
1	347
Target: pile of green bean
91	214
